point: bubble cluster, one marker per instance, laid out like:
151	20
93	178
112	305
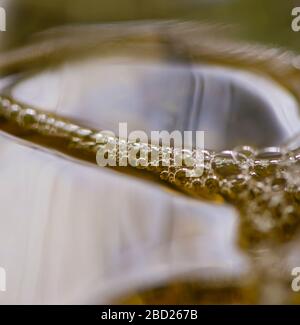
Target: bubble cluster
263	184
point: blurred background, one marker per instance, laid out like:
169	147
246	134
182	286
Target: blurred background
264	21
